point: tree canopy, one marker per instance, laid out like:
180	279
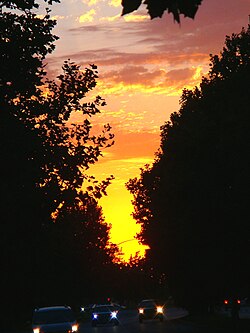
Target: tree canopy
50	218
192	204
156	8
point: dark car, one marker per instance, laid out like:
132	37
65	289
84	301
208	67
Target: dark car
86	311
104	314
232	306
54	319
150	309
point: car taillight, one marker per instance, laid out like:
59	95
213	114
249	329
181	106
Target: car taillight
225	301
238	301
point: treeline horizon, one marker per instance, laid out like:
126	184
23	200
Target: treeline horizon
192	204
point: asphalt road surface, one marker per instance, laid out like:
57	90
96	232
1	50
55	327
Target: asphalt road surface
128	323
176	320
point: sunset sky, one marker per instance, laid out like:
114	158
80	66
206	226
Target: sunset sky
143	66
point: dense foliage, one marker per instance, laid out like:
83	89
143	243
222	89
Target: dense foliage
156	8
53	234
192	204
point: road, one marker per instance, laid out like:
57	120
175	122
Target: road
129	324
176	321
244	312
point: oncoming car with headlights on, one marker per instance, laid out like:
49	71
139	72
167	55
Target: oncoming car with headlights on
150	309
54	319
104	314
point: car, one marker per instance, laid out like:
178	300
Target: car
119	307
104	314
86	311
54	319
150	309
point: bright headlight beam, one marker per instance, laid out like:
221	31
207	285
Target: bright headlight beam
74	328
113	314
159	309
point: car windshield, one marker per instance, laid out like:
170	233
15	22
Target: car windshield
147	304
105	308
53	316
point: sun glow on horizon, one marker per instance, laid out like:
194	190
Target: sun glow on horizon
117	204
143	66
118	212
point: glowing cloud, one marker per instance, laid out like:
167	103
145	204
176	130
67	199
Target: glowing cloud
135	18
87	17
139	79
110	18
58	17
90	2
115	3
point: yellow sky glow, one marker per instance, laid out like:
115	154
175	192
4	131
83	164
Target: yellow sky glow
143	67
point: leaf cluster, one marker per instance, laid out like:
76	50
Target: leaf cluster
23	5
156	8
25	40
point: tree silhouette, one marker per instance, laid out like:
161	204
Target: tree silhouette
79	251
192	203
156	8
68	149
25	41
44	158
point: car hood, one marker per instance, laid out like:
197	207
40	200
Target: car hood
59	327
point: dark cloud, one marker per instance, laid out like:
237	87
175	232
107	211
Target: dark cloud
159	42
88	28
133	75
177	75
111	57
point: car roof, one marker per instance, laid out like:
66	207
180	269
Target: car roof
53	308
102	305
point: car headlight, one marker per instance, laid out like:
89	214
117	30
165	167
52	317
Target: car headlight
159	309
113	314
141	311
36	330
95	315
74	328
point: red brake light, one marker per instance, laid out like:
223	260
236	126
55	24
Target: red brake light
225	301
238	301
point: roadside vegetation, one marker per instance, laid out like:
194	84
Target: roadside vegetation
192	204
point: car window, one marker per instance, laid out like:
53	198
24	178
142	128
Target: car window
53	317
147	304
104	309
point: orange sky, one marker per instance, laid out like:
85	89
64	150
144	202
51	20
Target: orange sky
143	66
